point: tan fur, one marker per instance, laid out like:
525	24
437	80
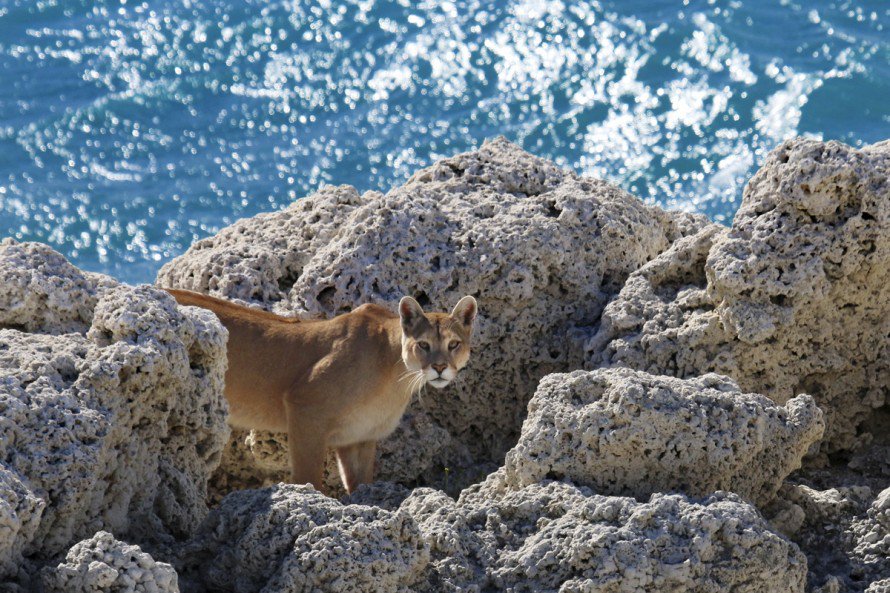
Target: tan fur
341	383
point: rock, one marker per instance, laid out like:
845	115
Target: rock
42	292
794	298
821	534
872	539
844	532
291	538
545	537
629	433
104	564
20	514
557	537
116	425
831	585
882	586
540	248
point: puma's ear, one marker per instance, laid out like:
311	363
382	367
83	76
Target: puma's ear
465	310
411	314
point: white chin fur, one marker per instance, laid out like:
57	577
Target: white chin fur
438	383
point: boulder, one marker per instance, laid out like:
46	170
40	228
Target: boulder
792	299
546	537
629	433
112	413
103	564
291	538
540	248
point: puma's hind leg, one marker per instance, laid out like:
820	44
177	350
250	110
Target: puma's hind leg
356	463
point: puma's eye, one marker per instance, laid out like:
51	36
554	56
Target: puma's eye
425	346
453	344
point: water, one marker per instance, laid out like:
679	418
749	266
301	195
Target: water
129	130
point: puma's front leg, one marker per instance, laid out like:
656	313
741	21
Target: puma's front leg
356	463
307	445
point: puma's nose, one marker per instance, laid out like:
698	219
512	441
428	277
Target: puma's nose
439	367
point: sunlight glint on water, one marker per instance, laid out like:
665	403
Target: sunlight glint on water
129	131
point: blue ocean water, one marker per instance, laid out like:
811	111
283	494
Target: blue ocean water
130	129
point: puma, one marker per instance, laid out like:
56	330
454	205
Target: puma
342	383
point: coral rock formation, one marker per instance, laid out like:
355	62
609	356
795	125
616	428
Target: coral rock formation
291	538
792	299
103	564
872	539
116	425
630	433
545	537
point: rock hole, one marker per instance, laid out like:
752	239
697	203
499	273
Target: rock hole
69	375
422	298
435	263
458	172
867	216
552	210
326	295
779	299
286	282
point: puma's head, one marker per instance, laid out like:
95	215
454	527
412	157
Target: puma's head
436	344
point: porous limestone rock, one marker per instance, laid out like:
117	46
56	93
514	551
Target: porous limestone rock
42	292
116	425
546	537
20	512
819	522
557	537
540	248
629	433
668	543
872	539
291	538
794	298
103	564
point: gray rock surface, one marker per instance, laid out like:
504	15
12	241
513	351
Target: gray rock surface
794	298
103	564
291	538
819	522
540	248
871	534
545	537
556	537
629	433
20	514
42	292
116	425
